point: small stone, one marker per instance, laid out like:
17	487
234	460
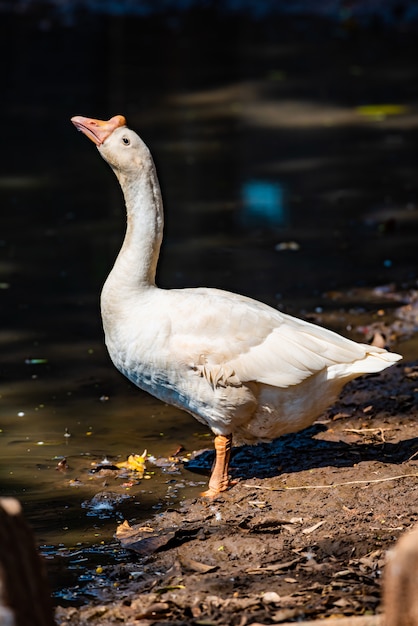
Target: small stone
270	597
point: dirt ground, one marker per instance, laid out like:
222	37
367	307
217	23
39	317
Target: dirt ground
303	534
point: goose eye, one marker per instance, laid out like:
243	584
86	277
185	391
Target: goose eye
126	141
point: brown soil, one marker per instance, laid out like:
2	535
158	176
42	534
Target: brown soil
302	535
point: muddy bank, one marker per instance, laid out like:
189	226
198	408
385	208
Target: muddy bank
303	533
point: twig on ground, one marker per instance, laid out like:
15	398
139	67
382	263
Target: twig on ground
349	482
365	431
411	457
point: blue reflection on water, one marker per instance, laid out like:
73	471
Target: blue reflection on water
264	203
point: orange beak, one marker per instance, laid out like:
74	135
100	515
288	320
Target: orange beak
97	130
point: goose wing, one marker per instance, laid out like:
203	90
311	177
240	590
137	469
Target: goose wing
231	337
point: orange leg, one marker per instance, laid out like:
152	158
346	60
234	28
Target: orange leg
219	480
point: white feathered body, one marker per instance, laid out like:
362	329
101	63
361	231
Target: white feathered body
237	365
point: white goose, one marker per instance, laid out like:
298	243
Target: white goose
246	370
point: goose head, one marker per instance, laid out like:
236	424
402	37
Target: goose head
120	146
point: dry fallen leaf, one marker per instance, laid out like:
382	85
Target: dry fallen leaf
142	540
196	566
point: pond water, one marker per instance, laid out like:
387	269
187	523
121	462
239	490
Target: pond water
287	157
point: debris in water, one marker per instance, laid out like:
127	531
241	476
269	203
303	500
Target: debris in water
105	464
62	466
104	503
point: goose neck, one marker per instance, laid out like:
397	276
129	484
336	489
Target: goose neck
138	258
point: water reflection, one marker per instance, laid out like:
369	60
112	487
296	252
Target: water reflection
263	204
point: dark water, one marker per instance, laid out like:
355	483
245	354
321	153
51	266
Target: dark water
284	177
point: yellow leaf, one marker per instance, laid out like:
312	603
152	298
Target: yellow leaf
135	463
